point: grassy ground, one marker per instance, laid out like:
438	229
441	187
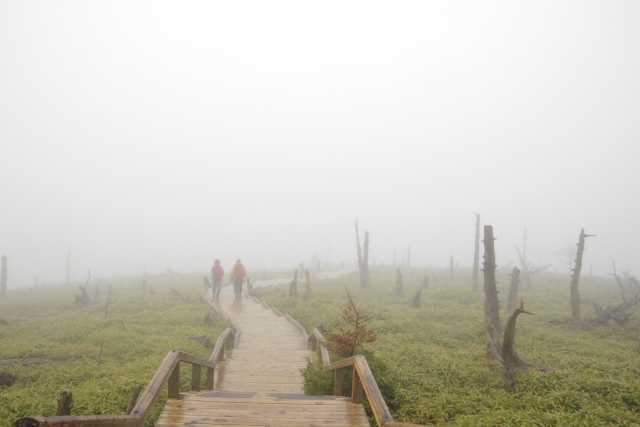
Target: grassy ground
436	354
137	334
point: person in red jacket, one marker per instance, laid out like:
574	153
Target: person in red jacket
217	273
238	273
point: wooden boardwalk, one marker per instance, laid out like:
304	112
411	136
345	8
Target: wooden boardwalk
259	382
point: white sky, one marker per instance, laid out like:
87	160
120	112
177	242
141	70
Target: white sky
167	134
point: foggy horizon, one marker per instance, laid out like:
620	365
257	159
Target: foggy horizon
147	136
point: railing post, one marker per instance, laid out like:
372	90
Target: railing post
337	382
357	391
210	378
174	382
195	377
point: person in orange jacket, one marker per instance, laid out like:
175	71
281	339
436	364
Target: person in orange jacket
238	273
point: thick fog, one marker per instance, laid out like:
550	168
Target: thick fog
147	135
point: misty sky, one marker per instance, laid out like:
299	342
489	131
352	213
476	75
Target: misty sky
147	135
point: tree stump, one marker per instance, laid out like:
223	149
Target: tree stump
65	403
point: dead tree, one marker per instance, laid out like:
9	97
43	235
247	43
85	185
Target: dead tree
82	299
513	290
365	262
3	278
399	285
360	269
351	333
451	268
528	269
476	254
425	282
505	353
492	323
624	291
510	360
415	301
293	287
575	278
307	285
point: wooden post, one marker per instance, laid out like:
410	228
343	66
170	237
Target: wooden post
476	254
492	323
451	268
513	290
210	373
357	391
195	377
337	382
3	278
174	382
575	277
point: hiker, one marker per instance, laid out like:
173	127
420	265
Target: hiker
238	273
217	273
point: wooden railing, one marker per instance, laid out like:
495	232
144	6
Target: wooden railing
167	374
363	382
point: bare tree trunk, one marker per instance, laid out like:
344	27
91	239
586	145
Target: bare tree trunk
512	363
409	258
360	267
575	277
365	262
476	254
513	290
68	266
451	268
492	323
399	285
3	278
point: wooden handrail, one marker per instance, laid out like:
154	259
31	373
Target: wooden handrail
363	381
167	373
